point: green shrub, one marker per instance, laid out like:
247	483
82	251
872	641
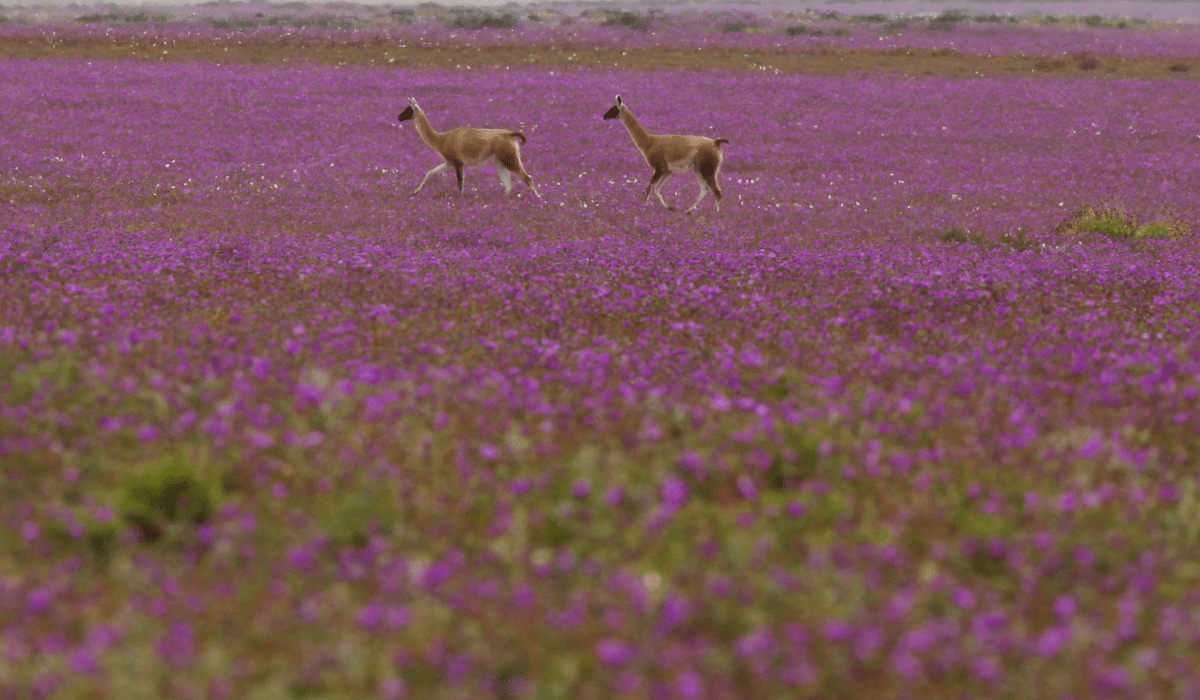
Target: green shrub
1018	240
260	20
98	539
160	496
470	18
876	18
802	30
122	18
352	515
801	462
947	20
234	23
1115	223
627	19
312	22
736	27
962	235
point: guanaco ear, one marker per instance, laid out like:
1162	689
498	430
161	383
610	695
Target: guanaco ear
615	111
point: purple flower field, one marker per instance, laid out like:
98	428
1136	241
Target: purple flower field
898	422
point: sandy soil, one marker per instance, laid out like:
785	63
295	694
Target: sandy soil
379	52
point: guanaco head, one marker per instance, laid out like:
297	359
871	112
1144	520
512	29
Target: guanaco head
616	109
410	109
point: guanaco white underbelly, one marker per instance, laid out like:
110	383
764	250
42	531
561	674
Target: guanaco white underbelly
682	166
480	159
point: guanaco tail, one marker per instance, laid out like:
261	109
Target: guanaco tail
669	153
464	147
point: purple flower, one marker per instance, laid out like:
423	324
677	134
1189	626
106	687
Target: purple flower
674	612
38	601
370	617
84	661
906	665
689	685
838	631
393	688
614	652
178	645
260	439
1051	641
302	559
867	642
524	596
1064	607
759	643
674	492
692	462
746	487
986	669
963	597
581	489
917	639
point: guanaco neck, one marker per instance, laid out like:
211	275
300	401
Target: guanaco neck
641	138
428	135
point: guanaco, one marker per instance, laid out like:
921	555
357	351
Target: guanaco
464	147
670	153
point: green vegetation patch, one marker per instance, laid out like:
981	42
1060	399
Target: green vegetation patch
1115	223
470	18
804	30
122	18
161	496
632	20
1017	239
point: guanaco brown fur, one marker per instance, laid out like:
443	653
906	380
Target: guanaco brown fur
463	147
670	153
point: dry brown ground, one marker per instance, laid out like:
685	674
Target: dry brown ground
382	52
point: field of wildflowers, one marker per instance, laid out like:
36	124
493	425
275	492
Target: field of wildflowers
914	416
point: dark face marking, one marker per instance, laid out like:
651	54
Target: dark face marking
406	114
613	113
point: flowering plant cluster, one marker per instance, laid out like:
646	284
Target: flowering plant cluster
913	416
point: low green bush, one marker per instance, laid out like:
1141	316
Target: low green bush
1115	223
160	496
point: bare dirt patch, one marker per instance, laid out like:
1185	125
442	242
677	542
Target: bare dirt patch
380	52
